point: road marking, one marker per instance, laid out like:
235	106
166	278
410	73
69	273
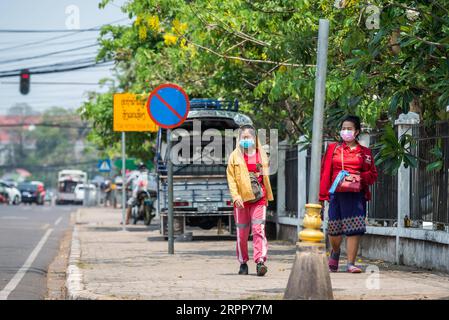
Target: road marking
13	218
14	282
58	221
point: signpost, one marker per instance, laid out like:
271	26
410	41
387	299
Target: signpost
168	106
130	115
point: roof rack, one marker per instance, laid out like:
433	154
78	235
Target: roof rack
214	104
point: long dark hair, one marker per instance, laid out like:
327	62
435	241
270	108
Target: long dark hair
356	121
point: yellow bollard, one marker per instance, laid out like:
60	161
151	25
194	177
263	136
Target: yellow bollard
309	278
312	224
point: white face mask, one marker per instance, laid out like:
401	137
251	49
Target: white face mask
347	135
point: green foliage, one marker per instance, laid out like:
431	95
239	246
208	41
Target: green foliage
393	152
264	52
43	150
437	153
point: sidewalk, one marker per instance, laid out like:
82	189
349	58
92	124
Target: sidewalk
107	263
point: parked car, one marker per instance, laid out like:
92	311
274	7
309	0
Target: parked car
32	192
80	190
14	194
4	196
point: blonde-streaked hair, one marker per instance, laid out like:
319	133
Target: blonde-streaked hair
247	127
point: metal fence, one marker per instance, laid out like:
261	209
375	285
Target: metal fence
430	189
291	181
384	192
429	198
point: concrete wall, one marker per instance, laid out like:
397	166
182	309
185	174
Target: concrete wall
418	248
287	233
375	247
425	254
414	252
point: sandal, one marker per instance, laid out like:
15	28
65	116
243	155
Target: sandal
333	261
353	269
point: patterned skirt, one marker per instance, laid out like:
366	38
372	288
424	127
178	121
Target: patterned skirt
347	213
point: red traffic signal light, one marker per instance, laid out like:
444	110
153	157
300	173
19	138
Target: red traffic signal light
24	81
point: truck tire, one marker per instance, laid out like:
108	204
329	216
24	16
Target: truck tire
208	223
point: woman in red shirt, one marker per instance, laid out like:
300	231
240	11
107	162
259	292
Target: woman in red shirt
347	210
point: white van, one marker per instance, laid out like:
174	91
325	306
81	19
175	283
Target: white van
67	182
80	190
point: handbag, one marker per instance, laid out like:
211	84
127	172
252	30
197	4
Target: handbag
351	182
255	186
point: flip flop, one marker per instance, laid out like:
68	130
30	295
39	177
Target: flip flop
353	269
333	263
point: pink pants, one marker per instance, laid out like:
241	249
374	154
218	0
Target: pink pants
251	215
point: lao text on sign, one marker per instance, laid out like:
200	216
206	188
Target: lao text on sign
130	113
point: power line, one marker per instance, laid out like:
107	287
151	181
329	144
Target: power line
64	63
58	37
64	67
47	30
93	65
48	54
55	83
42	124
50	166
77	41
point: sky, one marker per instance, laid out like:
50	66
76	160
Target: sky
52	15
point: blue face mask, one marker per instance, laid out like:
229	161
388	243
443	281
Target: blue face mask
246	143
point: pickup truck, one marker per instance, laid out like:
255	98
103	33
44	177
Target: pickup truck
200	192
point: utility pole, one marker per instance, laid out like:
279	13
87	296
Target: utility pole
309	278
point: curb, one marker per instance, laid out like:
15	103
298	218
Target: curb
74	282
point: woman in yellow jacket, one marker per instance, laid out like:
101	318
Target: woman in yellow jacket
249	185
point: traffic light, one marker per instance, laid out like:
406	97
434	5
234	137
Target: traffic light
24	81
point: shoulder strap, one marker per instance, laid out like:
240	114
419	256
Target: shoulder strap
336	146
342	162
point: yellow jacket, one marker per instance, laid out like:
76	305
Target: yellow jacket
238	176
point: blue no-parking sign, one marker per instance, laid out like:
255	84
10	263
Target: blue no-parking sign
168	106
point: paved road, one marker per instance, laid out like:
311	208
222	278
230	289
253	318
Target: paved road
30	236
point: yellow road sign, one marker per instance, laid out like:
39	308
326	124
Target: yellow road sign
130	113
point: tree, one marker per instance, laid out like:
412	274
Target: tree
264	52
45	144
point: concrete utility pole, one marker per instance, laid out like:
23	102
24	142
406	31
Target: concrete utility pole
171	244
318	111
309	278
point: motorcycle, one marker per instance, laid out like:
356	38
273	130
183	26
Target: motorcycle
143	208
